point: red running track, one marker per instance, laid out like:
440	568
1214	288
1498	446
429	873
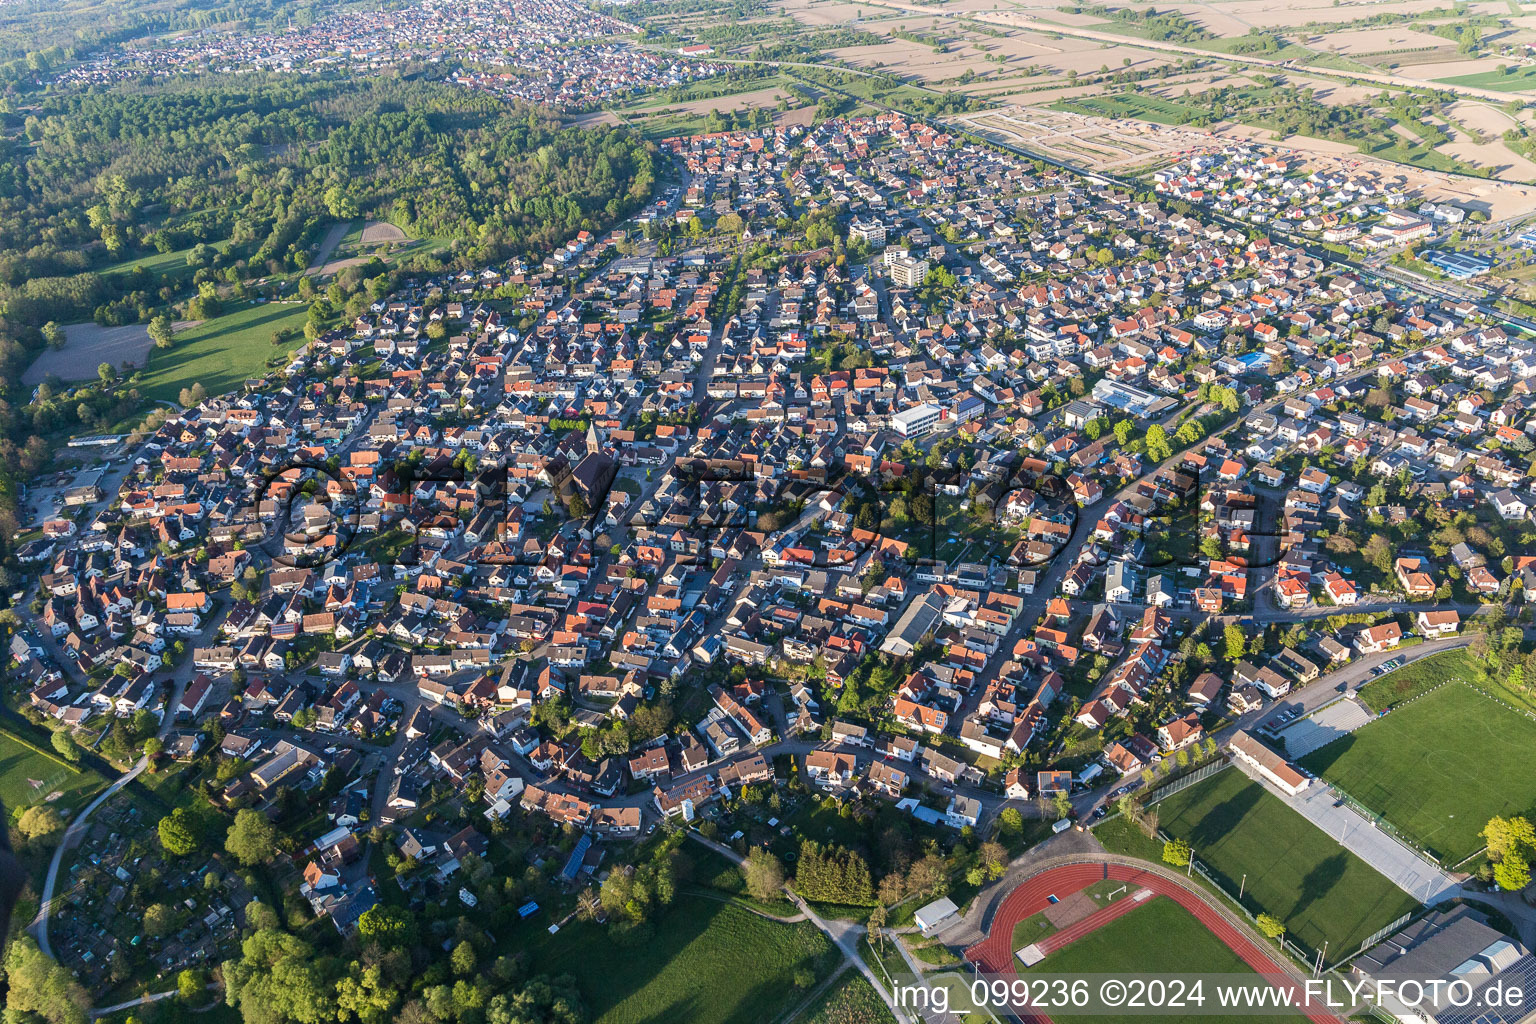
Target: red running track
994	954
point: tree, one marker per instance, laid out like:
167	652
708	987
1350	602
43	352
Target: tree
1512	874
1176	852
578	506
159	919
179	833
190	985
389	927
252	839
541	1001
463	959
39	823
65	745
161	331
1509	837
40	985
53	334
995	858
1236	641
260	916
367	994
1270	926
1062	803
1511	847
1158	448
764	875
1378	551
875	925
1010	822
278	978
827	873
105	373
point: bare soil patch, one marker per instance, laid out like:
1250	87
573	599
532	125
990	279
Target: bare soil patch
87	346
378	231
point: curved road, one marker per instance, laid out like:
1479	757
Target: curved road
72	834
76	830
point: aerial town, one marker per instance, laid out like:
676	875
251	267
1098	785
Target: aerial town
882	559
555	52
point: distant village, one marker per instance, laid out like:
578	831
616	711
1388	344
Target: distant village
552	52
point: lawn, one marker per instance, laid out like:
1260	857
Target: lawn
1160	937
1437	768
1414	678
223	352
704	962
1297	873
159	264
28	777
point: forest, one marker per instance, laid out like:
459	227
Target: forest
260	164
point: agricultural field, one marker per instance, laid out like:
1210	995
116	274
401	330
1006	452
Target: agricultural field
1127	66
666	975
28	777
223	352
1515	79
1437	768
1159	937
1320	890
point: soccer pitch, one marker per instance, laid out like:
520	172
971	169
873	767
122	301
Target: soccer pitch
1438	768
1294	871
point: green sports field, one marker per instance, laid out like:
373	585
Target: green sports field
1160	937
28	777
1438	768
1320	890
